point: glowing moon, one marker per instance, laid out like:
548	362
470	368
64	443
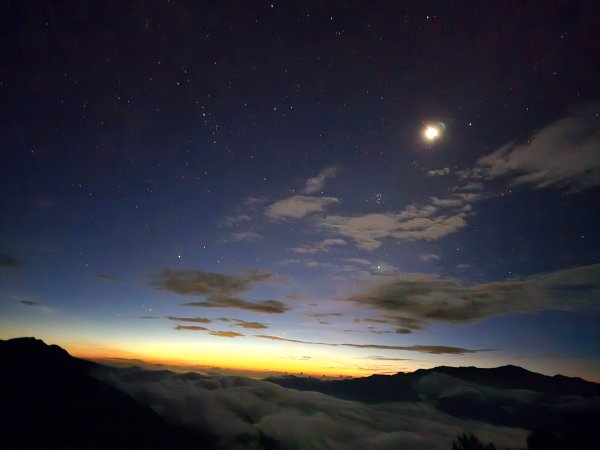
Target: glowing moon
433	132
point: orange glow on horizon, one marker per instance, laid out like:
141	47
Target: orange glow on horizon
228	354
259	361
265	366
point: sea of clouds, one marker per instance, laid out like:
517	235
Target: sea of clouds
245	413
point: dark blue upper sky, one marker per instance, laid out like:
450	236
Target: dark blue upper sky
265	161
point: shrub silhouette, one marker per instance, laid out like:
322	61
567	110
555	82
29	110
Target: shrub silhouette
466	441
572	437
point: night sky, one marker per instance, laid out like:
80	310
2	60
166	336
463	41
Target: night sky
339	188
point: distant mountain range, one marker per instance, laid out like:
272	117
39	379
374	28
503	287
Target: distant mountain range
49	400
507	395
402	386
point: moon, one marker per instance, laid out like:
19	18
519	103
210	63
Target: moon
433	132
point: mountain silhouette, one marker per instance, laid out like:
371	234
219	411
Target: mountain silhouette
515	377
401	386
372	389
507	395
49	400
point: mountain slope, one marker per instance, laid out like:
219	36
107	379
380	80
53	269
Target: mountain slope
49	400
401	386
514	377
506	396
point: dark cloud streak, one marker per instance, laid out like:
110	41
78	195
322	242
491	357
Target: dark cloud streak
227	334
8	262
261	306
190	319
191	328
219	289
431	349
104	277
197	282
249	325
30	303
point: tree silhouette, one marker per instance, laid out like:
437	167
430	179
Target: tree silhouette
466	441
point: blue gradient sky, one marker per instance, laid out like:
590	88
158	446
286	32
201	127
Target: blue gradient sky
232	156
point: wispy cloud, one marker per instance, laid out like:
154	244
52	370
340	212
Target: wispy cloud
9	262
237	322
239	236
30	303
316	184
310	263
228	334
450	202
438	172
221	290
260	306
190	328
563	154
197	282
190	319
323	246
255	201
369	320
359	261
249	325
298	206
323	318
414	223
386	358
432	349
237	219
405	324
413	300
37	306
104	277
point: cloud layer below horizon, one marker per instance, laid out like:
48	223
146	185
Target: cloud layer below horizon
239	411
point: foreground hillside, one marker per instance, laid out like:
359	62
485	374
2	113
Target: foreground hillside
49	400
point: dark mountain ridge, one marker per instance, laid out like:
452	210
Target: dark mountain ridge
49	400
398	387
506	395
515	377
